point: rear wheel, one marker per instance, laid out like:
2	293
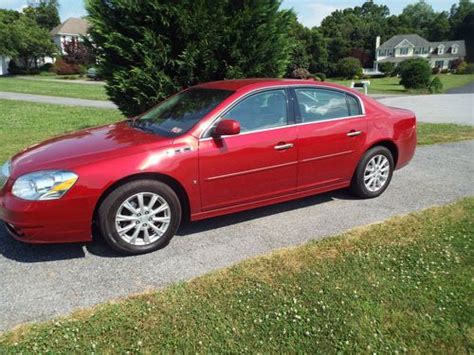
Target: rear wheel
139	217
374	173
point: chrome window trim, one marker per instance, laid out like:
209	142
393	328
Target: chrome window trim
220	114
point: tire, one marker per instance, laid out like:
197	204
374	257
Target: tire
155	230
362	188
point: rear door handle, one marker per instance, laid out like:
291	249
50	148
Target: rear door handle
354	133
284	146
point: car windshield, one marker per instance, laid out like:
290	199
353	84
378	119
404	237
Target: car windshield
179	113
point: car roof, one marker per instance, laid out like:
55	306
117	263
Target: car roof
239	84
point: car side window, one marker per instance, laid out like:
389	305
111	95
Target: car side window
354	106
261	111
320	104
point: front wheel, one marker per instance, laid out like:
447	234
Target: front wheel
139	217
374	173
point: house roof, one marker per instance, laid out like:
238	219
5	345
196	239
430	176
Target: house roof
72	26
414	39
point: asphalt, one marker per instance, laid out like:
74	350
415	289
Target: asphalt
466	89
68	101
444	108
39	282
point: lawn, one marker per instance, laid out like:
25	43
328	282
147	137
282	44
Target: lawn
25	123
53	88
403	286
392	86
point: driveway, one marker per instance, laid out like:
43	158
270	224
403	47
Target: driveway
445	108
39	282
68	101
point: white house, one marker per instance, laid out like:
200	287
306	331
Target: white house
401	47
72	28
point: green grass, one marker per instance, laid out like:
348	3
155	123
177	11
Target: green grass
401	286
434	133
25	123
53	88
392	86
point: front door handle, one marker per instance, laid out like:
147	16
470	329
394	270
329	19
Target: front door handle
354	133
284	146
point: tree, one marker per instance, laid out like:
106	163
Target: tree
349	67
440	29
21	38
45	13
148	50
418	17
415	74
461	19
76	52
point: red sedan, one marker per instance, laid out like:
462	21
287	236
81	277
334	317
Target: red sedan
213	149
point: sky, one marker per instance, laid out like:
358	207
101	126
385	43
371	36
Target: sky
310	12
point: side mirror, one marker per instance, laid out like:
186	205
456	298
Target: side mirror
226	128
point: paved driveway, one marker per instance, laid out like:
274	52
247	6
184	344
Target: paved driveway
445	108
38	282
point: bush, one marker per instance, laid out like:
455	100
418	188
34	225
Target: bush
415	74
61	67
349	67
47	67
436	71
321	76
387	68
436	86
300	73
461	67
467	68
150	49
14	69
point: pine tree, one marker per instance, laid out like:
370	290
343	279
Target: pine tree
148	50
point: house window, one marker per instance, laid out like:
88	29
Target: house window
425	50
454	49
441	50
439	64
403	51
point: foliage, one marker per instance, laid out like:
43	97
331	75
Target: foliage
22	39
436	86
415	74
387	68
321	76
45	13
462	25
402	286
47	67
76	52
300	73
148	50
61	67
349	67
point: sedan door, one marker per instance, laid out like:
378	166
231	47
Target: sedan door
332	131
255	165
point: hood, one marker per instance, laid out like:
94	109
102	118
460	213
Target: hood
85	147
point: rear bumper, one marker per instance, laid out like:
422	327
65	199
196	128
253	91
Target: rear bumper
57	221
406	149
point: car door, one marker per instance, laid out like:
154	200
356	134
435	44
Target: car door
331	135
257	164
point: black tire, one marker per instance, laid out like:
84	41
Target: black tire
109	207
358	186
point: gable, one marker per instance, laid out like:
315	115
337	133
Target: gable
405	43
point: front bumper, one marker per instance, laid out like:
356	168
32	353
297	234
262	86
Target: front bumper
65	220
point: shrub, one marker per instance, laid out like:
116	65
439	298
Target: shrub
387	68
300	73
461	67
321	76
468	69
61	67
349	67
436	86
415	74
150	49
436	71
47	67
14	69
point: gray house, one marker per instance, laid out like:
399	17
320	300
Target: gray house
401	47
71	29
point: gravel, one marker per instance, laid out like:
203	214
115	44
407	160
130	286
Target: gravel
40	282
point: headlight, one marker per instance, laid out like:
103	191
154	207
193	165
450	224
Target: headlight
44	185
5	173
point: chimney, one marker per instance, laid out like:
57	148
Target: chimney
377	42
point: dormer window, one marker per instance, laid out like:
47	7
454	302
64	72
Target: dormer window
441	49
454	49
